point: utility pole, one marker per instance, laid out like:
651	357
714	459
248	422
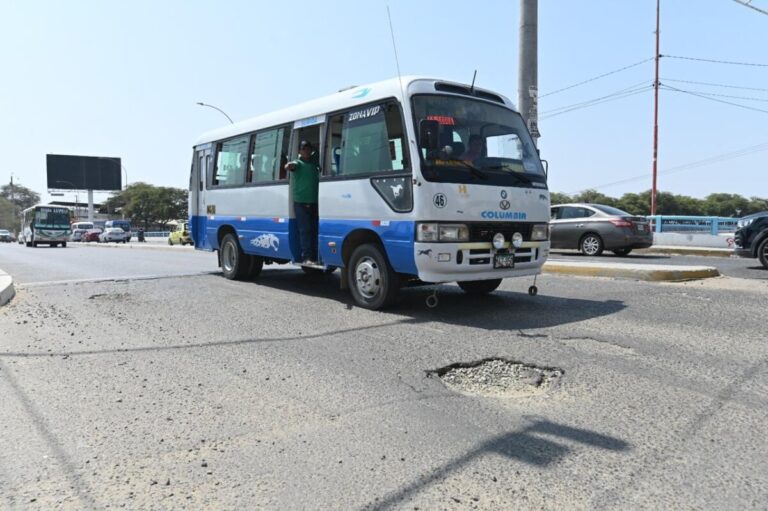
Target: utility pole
655	115
527	85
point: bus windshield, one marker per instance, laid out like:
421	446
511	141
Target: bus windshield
478	142
52	218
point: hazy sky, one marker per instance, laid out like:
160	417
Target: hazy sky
109	78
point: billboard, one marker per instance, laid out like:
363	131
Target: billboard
83	172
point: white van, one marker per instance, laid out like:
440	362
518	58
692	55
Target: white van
79	229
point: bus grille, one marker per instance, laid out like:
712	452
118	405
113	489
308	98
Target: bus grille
485	231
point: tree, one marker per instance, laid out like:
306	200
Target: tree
19	195
559	198
9	218
148	205
594	197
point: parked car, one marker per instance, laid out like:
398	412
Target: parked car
180	236
125	225
751	237
6	236
592	228
91	235
115	234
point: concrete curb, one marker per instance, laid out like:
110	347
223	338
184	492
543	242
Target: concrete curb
647	272
7	291
697	251
139	246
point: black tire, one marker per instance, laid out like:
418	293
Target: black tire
762	253
64	244
622	252
479	287
234	263
170	242
591	244
372	281
255	264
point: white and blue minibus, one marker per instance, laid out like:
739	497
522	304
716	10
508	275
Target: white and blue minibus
402	197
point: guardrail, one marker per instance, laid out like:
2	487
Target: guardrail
157	234
693	224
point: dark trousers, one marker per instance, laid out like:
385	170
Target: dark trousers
306	223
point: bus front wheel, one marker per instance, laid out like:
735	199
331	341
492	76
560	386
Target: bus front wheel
372	281
234	263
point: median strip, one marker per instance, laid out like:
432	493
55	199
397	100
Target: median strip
7	291
647	272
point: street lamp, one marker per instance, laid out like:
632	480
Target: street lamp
217	108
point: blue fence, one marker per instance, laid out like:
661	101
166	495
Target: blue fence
693	224
157	234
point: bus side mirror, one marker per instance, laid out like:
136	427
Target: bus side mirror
545	164
428	132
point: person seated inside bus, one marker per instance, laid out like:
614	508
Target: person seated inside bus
306	178
475	150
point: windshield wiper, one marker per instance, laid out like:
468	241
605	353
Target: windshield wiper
519	175
474	170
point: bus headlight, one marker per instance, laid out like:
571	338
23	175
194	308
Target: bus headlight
517	240
426	232
454	232
540	232
442	232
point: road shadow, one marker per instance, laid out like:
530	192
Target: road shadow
539	444
500	310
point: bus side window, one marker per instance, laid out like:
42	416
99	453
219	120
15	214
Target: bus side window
365	139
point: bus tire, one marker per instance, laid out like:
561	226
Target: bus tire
479	287
63	244
372	281
234	263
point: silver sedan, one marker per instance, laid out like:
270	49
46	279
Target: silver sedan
592	228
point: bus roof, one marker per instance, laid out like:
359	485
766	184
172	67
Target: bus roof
345	98
46	206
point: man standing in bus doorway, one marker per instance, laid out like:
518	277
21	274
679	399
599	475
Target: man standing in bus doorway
306	178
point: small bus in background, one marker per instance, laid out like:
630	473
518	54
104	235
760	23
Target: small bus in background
47	225
125	225
421	180
79	229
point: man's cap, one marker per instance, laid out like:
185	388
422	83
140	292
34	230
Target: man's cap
305	143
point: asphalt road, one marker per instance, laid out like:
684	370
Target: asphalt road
195	392
729	266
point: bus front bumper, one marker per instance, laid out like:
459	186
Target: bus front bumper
456	262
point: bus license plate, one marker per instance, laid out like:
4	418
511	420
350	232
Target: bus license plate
504	261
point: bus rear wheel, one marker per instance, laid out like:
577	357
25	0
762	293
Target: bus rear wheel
234	263
372	281
479	287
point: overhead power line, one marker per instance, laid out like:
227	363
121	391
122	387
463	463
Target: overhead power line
714	84
687	166
746	98
596	78
667	87
748	3
624	93
730	62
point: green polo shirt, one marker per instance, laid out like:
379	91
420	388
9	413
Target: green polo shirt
306	177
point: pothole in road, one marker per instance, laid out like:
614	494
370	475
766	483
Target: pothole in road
497	377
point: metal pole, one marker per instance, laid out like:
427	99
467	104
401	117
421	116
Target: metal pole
527	88
655	115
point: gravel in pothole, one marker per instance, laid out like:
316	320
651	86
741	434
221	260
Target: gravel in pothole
499	378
